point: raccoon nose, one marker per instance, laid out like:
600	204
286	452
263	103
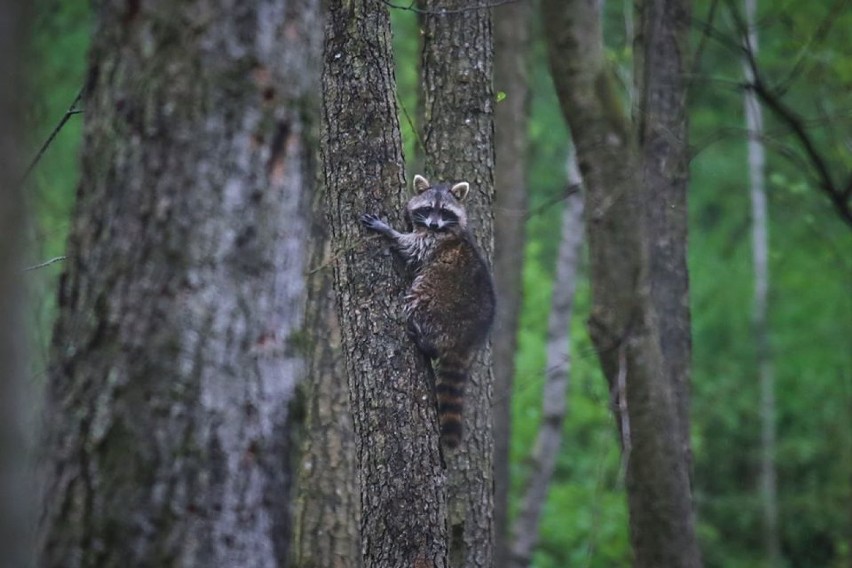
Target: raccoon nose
433	224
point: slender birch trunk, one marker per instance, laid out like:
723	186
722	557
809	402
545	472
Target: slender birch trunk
554	398
760	255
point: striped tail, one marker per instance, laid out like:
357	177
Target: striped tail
451	376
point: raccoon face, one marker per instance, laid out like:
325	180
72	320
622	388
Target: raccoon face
437	208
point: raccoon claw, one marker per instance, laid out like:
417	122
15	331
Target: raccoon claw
374	223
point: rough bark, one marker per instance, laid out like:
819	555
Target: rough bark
662	51
402	482
511	44
327	510
15	506
760	256
176	351
640	320
554	398
459	139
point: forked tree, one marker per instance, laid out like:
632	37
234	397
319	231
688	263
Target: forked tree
635	172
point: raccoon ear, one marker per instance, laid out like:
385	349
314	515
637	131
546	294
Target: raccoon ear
460	190
421	184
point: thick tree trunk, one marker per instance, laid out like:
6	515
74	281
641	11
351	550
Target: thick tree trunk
327	510
511	44
15	506
640	318
554	399
402	482
760	254
176	352
459	139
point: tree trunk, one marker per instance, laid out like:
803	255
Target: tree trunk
554	399
511	44
176	352
640	319
403	507
327	509
459	140
760	253
15	506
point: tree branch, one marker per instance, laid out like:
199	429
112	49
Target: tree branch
771	98
411	7
43	264
72	110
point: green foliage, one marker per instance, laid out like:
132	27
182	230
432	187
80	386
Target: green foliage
57	60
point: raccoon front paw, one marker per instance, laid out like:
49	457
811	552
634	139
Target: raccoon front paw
374	223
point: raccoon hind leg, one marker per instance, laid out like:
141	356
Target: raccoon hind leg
424	344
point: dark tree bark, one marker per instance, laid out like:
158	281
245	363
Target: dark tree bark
511	44
327	510
459	139
640	312
176	351
14	491
403	507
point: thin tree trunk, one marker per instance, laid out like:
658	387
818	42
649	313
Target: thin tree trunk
554	399
511	44
15	506
403	507
327	509
176	353
639	321
760	253
459	139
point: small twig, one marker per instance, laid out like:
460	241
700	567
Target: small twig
443	11
702	42
411	125
72	110
568	192
43	264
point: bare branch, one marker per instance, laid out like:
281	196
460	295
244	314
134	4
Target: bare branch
43	264
702	42
412	8
771	98
72	110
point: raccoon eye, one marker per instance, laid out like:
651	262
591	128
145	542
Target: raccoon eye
423	211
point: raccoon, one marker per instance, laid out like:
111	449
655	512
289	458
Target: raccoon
450	304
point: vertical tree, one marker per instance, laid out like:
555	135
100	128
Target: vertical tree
14	507
555	392
511	43
459	139
175	354
760	256
403	507
635	174
327	508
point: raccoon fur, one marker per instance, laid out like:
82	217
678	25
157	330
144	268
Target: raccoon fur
450	304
